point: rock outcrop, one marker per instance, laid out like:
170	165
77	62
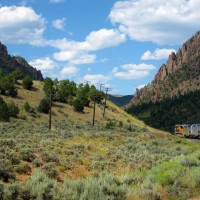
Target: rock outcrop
9	64
179	75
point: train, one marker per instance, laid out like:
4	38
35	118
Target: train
187	130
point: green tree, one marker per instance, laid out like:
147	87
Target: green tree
15	76
27	107
78	106
66	90
95	95
27	83
44	106
4	112
48	86
82	94
63	93
13	109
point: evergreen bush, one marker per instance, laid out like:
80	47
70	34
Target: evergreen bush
27	83
4	111
78	106
13	109
44	106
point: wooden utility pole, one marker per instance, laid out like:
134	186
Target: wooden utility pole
104	109
101	85
50	104
87	82
94	113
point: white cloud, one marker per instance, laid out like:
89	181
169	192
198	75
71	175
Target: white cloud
96	78
131	74
132	71
77	52
20	25
141	66
103	38
57	1
158	54
115	69
69	71
75	57
159	21
96	40
59	23
44	64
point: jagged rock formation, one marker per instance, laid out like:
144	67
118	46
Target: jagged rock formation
179	75
9	64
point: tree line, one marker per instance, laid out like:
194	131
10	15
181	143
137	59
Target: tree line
65	91
183	109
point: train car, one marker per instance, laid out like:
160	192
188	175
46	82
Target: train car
182	130
195	130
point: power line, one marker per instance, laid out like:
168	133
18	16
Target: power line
101	85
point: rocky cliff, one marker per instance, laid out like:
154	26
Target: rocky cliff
179	75
9	64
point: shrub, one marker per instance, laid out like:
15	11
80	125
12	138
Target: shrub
27	154
110	125
4	111
13	110
1	190
150	191
39	186
167	173
78	106
50	170
22	168
6	170
12	157
27	83
44	106
12	191
188	161
27	107
37	162
12	91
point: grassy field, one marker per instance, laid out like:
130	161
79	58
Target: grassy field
119	158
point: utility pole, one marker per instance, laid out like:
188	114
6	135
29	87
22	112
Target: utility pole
101	85
94	113
50	104
104	109
87	82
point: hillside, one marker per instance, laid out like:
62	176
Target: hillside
120	100
172	97
11	63
118	158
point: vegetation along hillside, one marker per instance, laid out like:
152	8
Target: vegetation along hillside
117	158
120	100
172	97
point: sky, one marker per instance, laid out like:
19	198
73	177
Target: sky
119	43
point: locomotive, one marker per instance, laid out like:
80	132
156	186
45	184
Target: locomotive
187	130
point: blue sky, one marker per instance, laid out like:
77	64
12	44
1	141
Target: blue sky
119	43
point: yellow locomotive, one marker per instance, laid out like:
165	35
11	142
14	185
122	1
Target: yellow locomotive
187	130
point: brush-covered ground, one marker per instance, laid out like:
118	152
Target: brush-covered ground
118	158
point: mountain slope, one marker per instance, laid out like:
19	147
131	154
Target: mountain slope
172	97
120	100
9	64
179	75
